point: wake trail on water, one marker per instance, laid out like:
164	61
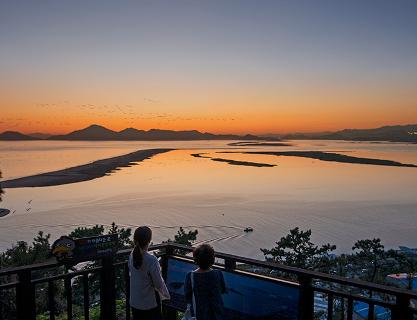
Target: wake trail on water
238	235
211	240
121	225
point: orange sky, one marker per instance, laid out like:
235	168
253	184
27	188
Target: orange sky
47	108
207	65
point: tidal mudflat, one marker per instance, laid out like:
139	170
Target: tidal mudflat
340	201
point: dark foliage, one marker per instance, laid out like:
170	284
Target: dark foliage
297	250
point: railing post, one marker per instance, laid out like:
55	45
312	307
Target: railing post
86	294
1	304
25	296
229	264
350	308
401	310
127	294
169	250
330	304
107	290
51	300
306	304
169	313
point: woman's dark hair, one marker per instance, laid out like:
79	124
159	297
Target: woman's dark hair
141	239
204	256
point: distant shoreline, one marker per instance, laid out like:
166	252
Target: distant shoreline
84	172
94	132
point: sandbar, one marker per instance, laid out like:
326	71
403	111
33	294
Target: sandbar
84	172
234	162
259	144
243	163
199	155
330	156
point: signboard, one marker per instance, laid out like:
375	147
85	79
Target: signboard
68	250
247	297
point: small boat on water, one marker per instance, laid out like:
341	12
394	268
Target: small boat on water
248	229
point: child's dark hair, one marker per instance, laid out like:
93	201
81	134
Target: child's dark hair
141	238
204	256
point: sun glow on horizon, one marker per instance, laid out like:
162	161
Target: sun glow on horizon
214	66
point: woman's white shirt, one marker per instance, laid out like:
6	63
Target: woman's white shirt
144	281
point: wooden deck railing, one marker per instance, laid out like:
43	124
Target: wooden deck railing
21	284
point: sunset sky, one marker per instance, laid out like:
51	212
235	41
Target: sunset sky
220	66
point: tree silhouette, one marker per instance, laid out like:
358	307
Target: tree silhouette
297	250
371	254
23	253
185	238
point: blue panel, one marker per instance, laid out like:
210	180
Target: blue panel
362	308
246	298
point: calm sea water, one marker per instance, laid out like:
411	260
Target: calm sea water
340	202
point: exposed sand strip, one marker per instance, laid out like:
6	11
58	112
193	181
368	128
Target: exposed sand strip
233	162
243	163
200	155
84	172
257	144
329	156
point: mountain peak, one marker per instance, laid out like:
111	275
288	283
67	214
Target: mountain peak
96	127
92	132
130	130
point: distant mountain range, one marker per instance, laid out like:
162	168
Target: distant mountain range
100	133
39	135
400	133
14	135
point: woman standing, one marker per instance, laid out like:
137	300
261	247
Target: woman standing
145	278
206	284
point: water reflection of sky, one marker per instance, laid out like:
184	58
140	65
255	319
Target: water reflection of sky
340	202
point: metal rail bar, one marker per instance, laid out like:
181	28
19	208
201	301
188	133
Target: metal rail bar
308	282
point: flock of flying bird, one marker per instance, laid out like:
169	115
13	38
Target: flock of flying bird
28	207
128	113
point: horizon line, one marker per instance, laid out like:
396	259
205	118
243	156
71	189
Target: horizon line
27	132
